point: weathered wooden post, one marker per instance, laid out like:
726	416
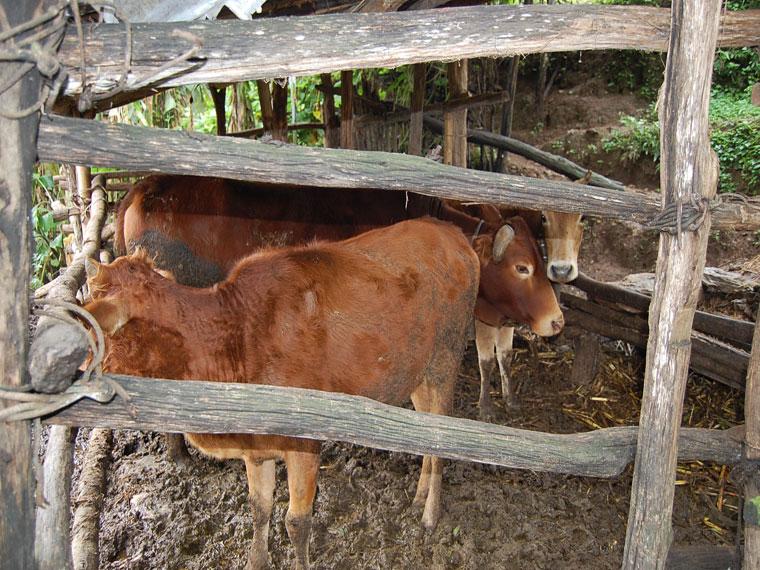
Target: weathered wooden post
751	509
347	109
455	121
419	71
19	117
688	180
332	125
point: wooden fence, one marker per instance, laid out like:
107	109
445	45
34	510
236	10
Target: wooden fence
175	54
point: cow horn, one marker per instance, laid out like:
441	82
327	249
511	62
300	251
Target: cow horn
500	242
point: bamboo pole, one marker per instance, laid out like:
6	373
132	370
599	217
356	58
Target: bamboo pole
688	174
752	454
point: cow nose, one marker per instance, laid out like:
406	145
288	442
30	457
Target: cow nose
558	324
560	272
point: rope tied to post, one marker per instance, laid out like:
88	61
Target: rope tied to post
679	217
91	384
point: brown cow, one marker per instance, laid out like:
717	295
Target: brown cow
197	228
382	315
562	233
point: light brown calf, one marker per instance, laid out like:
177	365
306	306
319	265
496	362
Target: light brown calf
382	315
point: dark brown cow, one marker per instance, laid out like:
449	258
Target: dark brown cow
198	227
382	315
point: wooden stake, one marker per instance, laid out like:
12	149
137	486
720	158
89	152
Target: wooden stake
455	122
688	173
419	72
347	109
332	124
752	453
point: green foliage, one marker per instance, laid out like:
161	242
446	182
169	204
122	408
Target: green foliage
639	137
635	71
736	69
48	255
734	134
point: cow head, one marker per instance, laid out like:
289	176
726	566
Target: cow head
513	282
119	288
563	234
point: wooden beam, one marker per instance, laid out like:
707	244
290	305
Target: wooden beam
309	45
331	124
176	152
709	357
214	407
723	328
688	173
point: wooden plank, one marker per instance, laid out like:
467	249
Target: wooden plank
723	328
176	152
702	558
752	453
214	407
17	156
688	173
711	358
281	47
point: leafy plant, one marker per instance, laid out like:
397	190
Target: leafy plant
734	134
48	255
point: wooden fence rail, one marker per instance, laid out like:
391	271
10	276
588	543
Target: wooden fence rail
212	407
309	45
175	152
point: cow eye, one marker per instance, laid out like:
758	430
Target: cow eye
522	269
543	219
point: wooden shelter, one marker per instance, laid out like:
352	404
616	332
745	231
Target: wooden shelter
108	64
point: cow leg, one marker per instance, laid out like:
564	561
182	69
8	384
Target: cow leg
485	339
261	483
504	357
176	448
303	469
436	397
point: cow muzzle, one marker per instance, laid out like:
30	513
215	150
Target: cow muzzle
550	326
562	272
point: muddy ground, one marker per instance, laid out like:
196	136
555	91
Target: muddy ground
159	515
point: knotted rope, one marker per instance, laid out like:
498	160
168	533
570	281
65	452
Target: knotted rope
92	384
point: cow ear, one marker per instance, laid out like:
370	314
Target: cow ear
482	247
91	267
110	314
501	241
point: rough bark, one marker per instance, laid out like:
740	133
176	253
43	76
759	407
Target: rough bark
455	121
17	156
175	152
309	45
752	453
347	109
213	407
332	124
688	173
419	72
88	500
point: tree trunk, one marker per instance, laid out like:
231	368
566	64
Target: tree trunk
219	95
688	173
